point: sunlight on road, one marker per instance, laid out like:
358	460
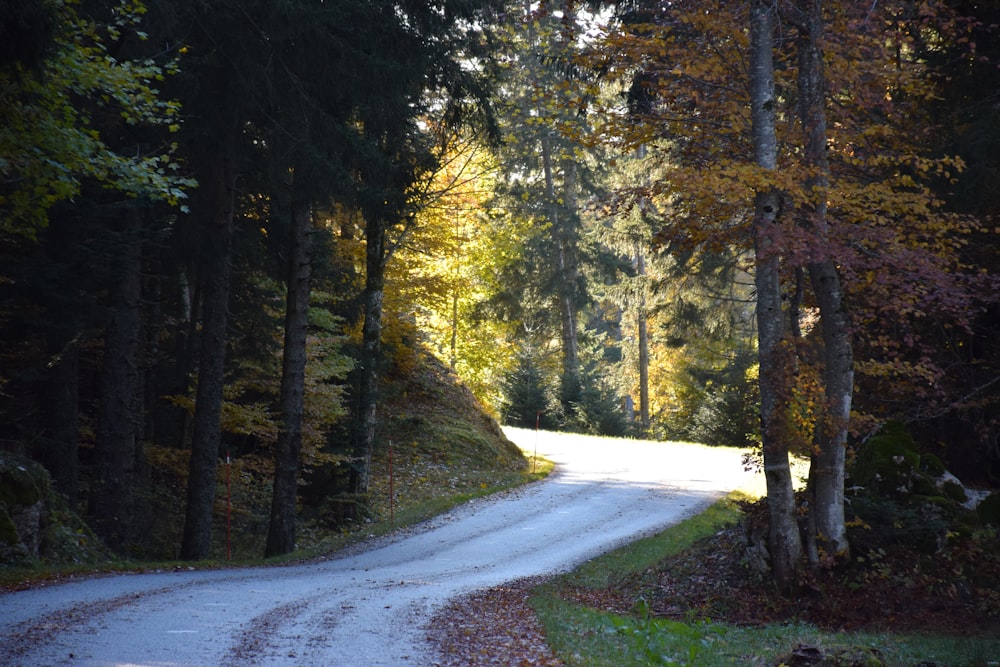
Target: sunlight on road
643	462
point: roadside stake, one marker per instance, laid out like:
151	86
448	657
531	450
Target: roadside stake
229	512
392	509
534	459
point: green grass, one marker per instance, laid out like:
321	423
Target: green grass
590	638
587	638
637	556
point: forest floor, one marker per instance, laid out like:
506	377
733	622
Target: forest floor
954	592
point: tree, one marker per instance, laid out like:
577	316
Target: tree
281	528
839	199
418	53
49	142
216	231
774	344
543	165
117	423
826	474
214	84
525	395
85	140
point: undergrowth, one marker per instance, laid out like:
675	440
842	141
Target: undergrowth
445	451
683	597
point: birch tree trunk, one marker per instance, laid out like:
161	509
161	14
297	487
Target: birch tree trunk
827	469
281	528
784	541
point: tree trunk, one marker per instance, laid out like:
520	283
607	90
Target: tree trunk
453	357
785	544
640	270
281	530
567	277
118	421
371	346
827	473
62	440
207	426
565	274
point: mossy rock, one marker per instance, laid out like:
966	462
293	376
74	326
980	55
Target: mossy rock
36	523
22	481
24	484
924	486
8	531
989	509
966	523
954	491
888	462
932	465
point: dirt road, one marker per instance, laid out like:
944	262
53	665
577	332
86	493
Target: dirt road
370	607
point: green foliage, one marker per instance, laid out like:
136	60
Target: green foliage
527	397
888	462
52	122
716	401
688	642
251	392
598	411
989	509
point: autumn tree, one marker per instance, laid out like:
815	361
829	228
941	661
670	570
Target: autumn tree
449	265
841	195
423	59
772	321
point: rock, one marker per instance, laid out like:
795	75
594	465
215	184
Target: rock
36	523
23	486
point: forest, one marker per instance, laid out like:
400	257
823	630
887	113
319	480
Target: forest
750	224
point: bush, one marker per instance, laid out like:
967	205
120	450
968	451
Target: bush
526	397
598	413
888	463
890	522
989	509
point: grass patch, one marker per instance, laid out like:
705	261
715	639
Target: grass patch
635	557
587	634
589	638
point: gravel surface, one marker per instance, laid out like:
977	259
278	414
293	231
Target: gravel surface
372	606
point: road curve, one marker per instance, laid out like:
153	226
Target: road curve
370	607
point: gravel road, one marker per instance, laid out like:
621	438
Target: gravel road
371	606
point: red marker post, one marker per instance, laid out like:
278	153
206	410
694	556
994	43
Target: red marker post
538	420
392	494
229	512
